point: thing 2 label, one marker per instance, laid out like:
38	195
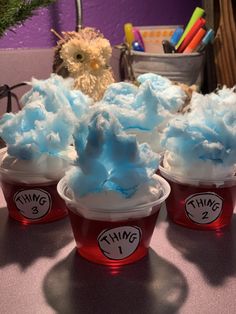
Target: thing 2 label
203	208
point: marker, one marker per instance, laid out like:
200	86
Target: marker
197	13
195	41
167	47
192	32
176	36
129	36
136	46
138	37
206	40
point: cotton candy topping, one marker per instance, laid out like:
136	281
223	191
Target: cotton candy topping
46	122
144	107
202	143
109	159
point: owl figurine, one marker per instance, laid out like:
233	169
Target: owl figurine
85	56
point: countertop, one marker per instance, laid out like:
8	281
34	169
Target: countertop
186	271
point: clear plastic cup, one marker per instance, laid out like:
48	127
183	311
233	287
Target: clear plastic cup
200	204
113	237
28	199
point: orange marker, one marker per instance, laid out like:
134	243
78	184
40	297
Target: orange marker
193	31
195	41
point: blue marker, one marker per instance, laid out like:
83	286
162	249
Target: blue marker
136	46
206	40
176	36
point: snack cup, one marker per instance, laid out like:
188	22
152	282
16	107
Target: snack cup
113	237
200	204
34	202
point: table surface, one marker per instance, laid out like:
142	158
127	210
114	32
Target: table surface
186	271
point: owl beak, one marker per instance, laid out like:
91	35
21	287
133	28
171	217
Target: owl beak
94	65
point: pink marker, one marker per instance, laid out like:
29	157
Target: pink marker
138	36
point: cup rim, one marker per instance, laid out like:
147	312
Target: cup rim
168	55
5	172
62	188
180	179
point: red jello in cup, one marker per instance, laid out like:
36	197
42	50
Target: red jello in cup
28	199
200	204
113	237
32	204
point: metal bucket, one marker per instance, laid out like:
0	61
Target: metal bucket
180	67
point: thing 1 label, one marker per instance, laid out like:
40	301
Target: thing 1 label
119	243
203	208
33	203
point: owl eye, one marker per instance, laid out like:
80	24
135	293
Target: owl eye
79	57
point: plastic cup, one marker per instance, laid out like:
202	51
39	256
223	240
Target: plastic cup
113	237
200	204
34	202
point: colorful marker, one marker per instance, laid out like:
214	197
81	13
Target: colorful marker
167	47
176	36
195	41
192	32
136	46
138	37
197	13
129	36
206	40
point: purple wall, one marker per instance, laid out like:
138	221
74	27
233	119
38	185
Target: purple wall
106	15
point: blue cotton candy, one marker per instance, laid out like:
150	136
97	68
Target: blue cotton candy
159	82
120	94
131	118
108	158
82	181
10	129
30	138
56	93
144	107
208	132
46	122
171	97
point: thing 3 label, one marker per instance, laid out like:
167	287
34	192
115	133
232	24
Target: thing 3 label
119	243
203	208
33	203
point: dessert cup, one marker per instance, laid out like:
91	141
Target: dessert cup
200	204
29	199
112	237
